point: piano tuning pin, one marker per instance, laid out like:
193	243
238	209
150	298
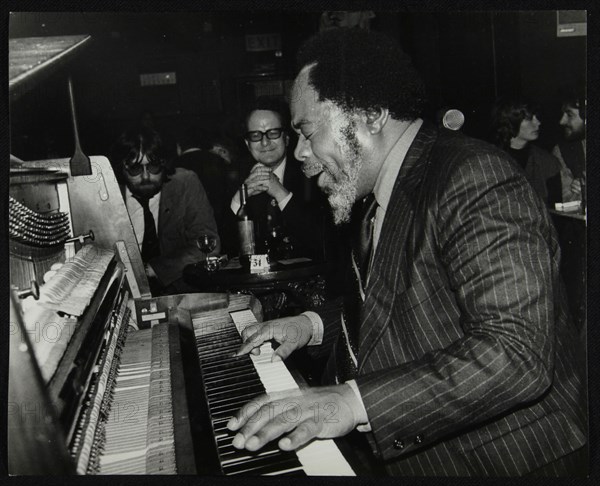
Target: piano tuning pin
81	238
33	290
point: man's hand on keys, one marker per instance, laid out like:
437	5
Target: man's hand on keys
290	332
298	415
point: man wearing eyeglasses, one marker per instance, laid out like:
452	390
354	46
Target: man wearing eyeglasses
168	208
276	183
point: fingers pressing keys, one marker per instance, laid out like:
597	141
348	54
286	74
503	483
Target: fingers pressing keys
299	415
290	332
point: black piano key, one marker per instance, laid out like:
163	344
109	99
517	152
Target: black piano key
233	384
233	373
264	465
217	341
226	448
231	378
224	363
220	351
229	458
242	390
232	404
294	473
229	369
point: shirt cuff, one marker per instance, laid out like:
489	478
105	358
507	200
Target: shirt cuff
317	326
235	203
283	203
366	427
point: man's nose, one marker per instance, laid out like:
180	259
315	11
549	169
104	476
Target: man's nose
563	120
264	141
301	152
145	173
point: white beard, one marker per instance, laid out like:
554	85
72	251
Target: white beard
343	194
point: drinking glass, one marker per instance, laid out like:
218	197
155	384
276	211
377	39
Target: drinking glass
207	243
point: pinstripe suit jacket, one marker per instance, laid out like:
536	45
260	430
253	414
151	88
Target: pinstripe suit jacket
466	351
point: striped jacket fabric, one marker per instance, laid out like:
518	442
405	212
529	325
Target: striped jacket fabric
467	355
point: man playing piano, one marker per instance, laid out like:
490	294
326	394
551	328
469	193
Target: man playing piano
453	351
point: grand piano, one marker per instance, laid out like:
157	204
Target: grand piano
105	378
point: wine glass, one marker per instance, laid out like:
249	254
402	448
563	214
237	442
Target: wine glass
207	243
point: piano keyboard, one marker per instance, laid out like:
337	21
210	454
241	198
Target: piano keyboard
230	382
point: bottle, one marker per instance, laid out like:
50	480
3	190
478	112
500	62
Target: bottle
583	196
245	227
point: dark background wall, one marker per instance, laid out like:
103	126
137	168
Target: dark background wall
467	59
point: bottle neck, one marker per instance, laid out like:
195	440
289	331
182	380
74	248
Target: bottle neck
243	195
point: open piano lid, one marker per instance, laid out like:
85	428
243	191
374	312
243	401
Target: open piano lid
33	59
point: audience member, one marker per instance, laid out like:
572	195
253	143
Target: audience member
515	125
276	184
454	352
168	208
572	151
195	156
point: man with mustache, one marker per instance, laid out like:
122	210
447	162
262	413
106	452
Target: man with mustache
453	351
572	151
168	208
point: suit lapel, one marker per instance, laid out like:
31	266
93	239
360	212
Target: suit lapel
388	273
166	202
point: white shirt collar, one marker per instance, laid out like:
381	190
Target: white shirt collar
280	170
392	164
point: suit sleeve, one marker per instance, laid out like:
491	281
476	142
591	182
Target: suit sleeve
492	240
198	219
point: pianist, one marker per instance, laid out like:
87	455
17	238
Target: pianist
168	208
454	352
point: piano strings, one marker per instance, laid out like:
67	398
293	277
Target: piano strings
75	283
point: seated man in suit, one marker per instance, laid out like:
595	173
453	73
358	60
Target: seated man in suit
276	185
572	151
168	208
453	352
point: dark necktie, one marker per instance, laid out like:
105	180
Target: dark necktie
363	239
150	245
362	216
273	213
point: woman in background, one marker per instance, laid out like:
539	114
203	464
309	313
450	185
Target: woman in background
514	126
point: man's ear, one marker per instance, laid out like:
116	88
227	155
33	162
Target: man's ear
375	119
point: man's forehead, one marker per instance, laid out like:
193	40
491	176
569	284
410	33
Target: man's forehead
262	116
307	107
574	110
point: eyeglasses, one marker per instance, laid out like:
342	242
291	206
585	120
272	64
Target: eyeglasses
155	167
257	135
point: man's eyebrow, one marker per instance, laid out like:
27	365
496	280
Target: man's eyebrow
298	125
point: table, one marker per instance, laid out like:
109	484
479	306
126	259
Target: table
572	236
287	287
